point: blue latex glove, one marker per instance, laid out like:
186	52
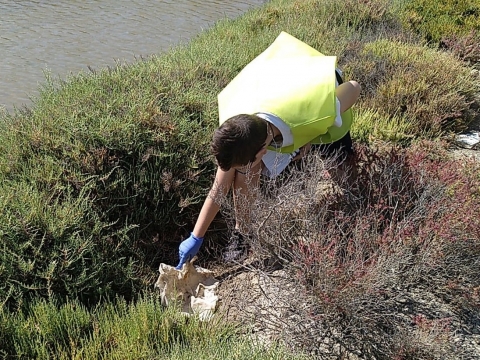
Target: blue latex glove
188	249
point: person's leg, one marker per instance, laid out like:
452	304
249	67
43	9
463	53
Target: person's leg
348	94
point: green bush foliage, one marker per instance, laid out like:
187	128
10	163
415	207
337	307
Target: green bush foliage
409	91
435	20
92	173
119	330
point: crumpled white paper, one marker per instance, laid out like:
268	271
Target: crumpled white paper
192	287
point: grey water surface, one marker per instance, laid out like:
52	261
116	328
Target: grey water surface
65	37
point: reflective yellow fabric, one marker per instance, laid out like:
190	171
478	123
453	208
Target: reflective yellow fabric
292	81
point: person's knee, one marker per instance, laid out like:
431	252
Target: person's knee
356	89
348	93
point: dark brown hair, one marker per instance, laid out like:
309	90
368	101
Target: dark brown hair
238	140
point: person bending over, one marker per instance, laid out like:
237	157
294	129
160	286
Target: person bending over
287	101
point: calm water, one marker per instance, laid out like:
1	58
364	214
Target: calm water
65	37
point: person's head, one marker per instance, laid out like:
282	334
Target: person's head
239	141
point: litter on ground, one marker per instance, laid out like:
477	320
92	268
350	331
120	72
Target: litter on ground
192	289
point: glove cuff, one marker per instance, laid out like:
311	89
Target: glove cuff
197	239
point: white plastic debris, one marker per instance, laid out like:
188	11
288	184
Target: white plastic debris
192	287
469	140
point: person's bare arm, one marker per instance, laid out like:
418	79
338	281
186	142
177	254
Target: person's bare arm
221	186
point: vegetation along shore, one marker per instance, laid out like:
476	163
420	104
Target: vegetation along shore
105	173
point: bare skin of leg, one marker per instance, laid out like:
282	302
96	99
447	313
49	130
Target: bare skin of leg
348	93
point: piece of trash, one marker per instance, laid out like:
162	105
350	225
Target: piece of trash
192	288
468	140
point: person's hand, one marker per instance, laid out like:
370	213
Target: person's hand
188	249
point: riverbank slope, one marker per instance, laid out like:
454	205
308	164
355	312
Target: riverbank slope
106	172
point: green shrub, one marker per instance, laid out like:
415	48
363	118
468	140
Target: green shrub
410	87
118	330
106	173
91	174
435	20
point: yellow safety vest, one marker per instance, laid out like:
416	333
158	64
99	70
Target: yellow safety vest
293	81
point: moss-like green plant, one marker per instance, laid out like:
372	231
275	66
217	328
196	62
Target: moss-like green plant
422	92
435	20
141	330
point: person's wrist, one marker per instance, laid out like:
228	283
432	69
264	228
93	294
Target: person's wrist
196	238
